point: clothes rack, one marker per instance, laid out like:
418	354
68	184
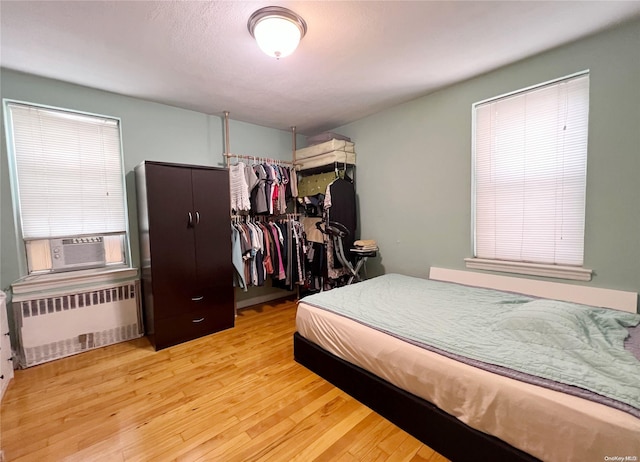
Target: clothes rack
256	159
307	263
236	218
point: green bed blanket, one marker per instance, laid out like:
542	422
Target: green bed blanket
564	342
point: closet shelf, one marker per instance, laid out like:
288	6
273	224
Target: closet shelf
326	158
331	152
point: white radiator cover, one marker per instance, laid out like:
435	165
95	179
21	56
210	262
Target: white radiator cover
61	322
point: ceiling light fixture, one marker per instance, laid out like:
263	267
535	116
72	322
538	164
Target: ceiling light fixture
277	30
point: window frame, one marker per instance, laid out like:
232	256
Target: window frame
21	243
513	266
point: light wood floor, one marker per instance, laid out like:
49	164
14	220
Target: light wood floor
233	396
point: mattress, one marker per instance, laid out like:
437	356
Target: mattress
547	424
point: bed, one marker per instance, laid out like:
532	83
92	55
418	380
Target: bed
470	407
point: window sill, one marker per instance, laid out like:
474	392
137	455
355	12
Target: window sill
52	281
533	269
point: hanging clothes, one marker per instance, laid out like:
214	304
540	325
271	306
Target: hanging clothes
236	257
259	203
282	190
293	182
311	230
272	189
279	270
340	207
263	249
315	184
239	188
251	178
263	189
300	244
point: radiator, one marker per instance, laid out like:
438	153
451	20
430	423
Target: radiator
55	325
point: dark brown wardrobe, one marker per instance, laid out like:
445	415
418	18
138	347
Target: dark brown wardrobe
185	246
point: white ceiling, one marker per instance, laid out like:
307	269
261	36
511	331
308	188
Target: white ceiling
357	58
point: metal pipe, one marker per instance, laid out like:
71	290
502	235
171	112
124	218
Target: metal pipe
293	142
226	136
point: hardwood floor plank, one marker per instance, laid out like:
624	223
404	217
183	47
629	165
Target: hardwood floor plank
400	446
152	449
237	395
333	434
361	447
285	407
338	449
257	445
290	446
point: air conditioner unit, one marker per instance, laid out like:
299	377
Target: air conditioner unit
77	252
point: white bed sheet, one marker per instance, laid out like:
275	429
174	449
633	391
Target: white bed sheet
547	424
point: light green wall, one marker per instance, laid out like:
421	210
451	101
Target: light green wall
414	163
150	131
414	160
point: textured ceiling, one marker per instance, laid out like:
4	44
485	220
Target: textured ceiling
357	58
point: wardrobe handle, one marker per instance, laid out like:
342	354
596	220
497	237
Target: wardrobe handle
197	320
190	224
197	299
197	218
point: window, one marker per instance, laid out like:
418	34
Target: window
68	187
530	159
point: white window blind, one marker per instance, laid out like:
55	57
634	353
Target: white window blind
530	174
69	172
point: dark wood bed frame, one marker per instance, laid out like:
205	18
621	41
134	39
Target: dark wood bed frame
425	421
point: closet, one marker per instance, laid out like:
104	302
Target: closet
268	243
185	244
277	206
327	194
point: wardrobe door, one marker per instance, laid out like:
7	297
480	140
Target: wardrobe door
171	236
214	270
